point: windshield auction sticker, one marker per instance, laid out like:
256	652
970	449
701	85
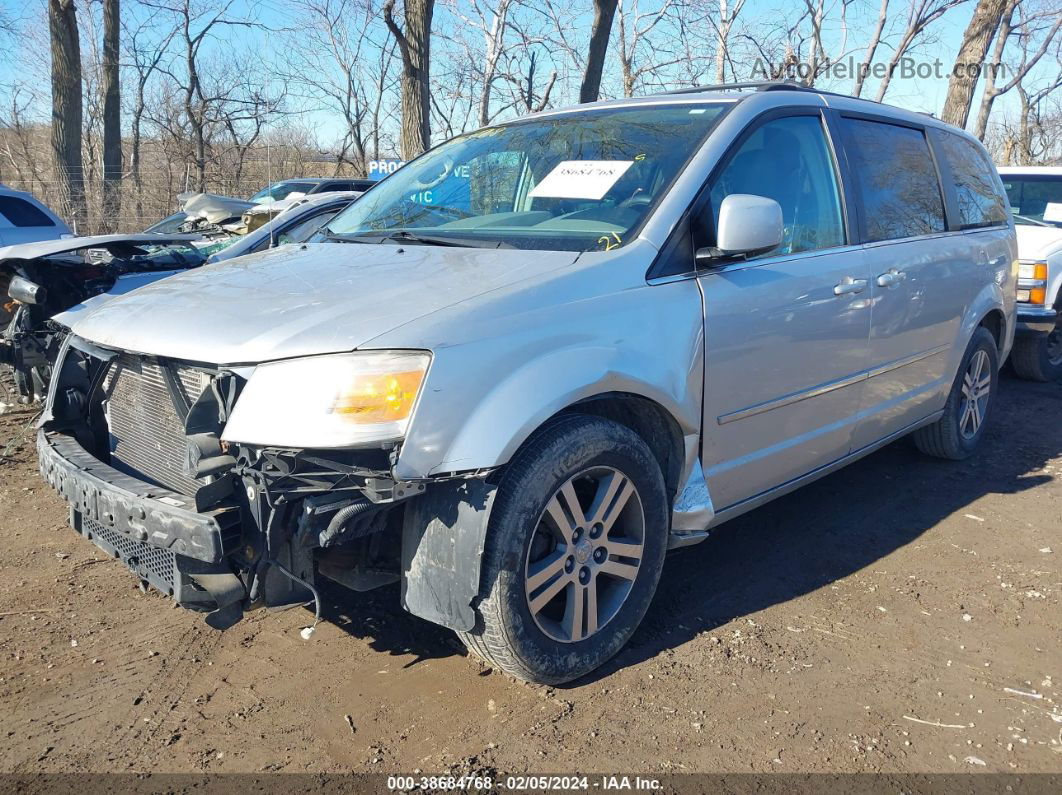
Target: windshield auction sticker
581	179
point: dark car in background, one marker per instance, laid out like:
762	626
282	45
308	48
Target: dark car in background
283	189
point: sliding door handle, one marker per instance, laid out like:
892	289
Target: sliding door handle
850	286
891	278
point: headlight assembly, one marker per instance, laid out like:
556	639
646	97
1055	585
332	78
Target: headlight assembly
339	400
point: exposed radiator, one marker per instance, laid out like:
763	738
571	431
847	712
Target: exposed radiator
146	434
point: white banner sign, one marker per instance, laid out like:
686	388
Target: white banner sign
581	179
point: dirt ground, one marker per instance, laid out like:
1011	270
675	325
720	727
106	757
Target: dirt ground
901	615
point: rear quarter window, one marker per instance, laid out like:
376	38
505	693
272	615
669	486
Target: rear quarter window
20	212
896	180
979	201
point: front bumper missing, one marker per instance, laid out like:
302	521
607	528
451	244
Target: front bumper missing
178	551
1036	320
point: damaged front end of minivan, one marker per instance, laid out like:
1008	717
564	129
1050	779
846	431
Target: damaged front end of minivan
165	467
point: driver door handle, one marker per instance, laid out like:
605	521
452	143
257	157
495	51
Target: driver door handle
850	286
891	278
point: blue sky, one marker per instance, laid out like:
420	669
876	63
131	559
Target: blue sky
925	95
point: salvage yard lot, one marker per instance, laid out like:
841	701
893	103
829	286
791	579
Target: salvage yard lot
900	615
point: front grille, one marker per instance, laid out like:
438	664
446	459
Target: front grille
147	436
156	565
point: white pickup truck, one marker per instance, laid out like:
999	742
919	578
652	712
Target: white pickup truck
1035	194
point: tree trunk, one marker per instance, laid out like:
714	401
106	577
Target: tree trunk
112	118
990	91
604	12
1028	61
66	108
872	46
495	39
414	44
975	42
721	36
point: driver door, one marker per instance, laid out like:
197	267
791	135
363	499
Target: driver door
785	333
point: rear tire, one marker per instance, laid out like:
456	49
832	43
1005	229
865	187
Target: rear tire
957	433
574	550
1038	357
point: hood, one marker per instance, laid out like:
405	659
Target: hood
125	283
213	208
116	244
1038	242
300	301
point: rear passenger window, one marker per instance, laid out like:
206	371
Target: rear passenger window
980	203
895	178
21	213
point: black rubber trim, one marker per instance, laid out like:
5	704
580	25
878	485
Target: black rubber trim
142	511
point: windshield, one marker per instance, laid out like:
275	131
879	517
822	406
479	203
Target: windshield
573	182
280	191
1035	199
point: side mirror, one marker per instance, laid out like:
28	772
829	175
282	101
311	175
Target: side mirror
748	225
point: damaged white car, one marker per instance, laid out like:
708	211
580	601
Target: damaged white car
40	280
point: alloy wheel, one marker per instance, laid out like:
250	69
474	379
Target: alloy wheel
976	388
585	554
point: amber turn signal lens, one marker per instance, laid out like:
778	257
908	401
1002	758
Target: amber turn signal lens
383	397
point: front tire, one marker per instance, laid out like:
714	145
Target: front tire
574	550
957	433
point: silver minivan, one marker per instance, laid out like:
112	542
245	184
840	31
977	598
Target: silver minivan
515	374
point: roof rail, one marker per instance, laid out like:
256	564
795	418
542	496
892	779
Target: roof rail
757	85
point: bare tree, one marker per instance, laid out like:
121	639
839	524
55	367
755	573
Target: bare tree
145	50
532	102
986	19
604	12
328	66
206	99
872	47
795	47
491	21
920	15
728	14
66	107
414	43
1034	137
112	117
1026	32
634	30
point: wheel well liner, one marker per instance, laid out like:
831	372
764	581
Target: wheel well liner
996	324
649	420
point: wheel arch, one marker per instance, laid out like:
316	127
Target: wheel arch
657	427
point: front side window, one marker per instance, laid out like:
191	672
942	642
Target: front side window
788	160
971	172
20	212
575	182
1035	199
896	180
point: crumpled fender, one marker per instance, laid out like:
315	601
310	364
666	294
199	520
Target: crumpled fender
529	396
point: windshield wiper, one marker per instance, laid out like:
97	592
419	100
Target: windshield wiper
405	235
331	236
